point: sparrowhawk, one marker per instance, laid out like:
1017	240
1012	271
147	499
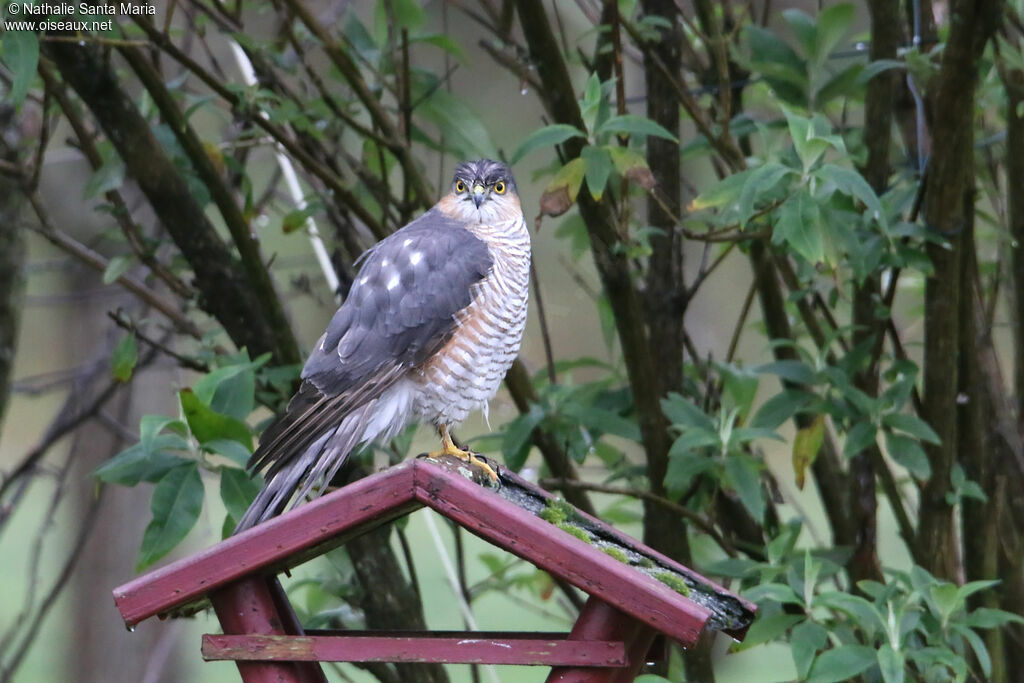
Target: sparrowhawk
430	325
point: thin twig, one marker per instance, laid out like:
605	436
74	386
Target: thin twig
741	322
121	213
545	333
126	323
91	258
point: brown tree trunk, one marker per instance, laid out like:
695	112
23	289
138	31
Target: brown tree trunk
947	196
225	291
12	258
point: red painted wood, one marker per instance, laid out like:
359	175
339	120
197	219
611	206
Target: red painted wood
356	508
248	606
490	635
562	555
470	648
629	542
623	597
599	620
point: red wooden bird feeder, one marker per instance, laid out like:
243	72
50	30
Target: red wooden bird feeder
635	592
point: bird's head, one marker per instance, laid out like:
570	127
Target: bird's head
483	191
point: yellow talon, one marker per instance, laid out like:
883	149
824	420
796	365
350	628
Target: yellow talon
448	447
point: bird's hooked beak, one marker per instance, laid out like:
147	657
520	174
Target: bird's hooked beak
479	195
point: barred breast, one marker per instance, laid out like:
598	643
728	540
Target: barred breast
466	373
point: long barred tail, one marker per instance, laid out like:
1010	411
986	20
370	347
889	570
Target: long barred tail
296	477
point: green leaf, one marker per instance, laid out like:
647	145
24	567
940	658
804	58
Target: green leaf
590	108
592	91
908	453
561	192
150	427
861	436
978	645
208	425
296	218
117	267
124	358
632	124
805	641
834	22
602	421
230	449
693	438
744	475
782	68
879	66
598	166
20	55
135	464
842	663
799	227
942	657
463	130
548	136
891	663
632	166
442	41
779	408
773	592
760	182
795	371
852	184
409	14
987	617
802	26
516	444
742	435
237	490
808	145
683	467
844	84
725	191
769	628
230	390
805	448
971	587
683	413
177	501
913	425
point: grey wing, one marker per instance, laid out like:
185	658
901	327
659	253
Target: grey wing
401	309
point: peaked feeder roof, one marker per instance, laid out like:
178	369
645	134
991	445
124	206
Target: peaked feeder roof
518	517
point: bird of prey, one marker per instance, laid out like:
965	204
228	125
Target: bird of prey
431	324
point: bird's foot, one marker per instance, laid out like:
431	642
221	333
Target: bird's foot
448	447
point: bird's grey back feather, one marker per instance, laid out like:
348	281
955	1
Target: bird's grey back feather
401	309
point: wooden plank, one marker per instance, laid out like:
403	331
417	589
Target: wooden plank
568	558
600	621
486	635
249	606
467	649
349	511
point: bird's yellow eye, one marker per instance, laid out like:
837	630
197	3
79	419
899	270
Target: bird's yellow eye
460	186
499	187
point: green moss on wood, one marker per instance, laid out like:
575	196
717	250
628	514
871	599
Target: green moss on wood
674	582
616	553
646	563
557	511
552	515
574	530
